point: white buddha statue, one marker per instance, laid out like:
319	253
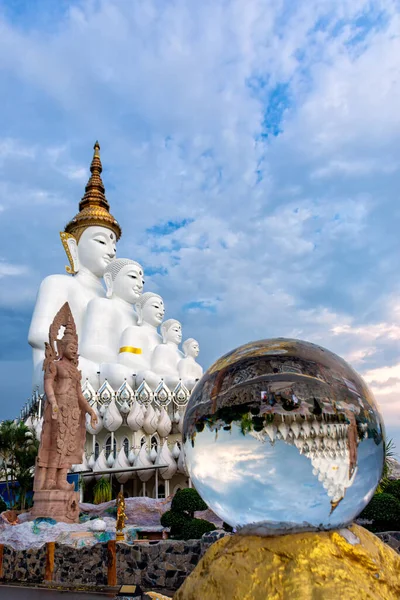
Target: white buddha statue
137	342
90	243
106	318
165	357
189	370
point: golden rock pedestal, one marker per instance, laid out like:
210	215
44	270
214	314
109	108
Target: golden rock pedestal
351	563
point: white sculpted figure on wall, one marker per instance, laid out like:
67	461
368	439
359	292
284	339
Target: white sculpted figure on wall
90	243
189	370
165	357
106	318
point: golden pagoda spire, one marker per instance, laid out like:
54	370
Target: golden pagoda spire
95	191
93	208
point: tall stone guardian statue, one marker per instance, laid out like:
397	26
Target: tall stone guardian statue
64	432
89	240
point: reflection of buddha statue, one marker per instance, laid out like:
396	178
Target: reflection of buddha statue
137	342
165	358
107	318
189	370
89	240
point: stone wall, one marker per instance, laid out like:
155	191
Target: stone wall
160	564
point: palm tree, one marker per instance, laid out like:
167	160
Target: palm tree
18	451
390	453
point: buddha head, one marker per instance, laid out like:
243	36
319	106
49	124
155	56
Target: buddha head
171	331
150	309
124	279
90	238
191	348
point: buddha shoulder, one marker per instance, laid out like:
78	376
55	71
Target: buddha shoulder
57	283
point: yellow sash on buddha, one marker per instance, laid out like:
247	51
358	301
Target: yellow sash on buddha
130	349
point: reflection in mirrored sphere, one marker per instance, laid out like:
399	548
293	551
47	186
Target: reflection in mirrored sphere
282	435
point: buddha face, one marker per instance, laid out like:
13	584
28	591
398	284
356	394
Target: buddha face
153	311
174	334
193	349
128	284
96	249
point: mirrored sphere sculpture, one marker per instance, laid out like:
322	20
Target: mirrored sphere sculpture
282	435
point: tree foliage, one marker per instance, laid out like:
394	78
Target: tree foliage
18	450
102	491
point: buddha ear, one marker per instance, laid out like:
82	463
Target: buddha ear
109	284
138	310
71	249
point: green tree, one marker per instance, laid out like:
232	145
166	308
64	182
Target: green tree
18	450
390	453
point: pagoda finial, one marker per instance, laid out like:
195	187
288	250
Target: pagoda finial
93	208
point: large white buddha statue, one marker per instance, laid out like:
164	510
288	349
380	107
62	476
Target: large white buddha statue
90	243
165	357
189	370
106	318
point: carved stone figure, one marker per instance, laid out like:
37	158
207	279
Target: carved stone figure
165	357
89	240
63	434
189	370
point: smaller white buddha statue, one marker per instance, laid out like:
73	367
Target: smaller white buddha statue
165	357
137	342
106	318
189	370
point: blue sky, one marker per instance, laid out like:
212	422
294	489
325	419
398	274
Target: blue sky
251	153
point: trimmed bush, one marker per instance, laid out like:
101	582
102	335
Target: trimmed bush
193	529
384	511
180	518
175	521
187	501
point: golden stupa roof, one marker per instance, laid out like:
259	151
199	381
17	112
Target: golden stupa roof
93	208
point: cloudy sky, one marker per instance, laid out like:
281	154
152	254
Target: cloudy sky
251	153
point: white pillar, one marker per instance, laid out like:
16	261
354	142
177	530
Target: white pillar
190	482
166	483
156	483
144	488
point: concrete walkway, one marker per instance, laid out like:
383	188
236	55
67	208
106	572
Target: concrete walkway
28	593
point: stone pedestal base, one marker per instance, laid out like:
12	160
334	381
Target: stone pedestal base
350	563
57	504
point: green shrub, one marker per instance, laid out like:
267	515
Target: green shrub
187	501
175	521
193	529
384	511
102	491
180	518
393	488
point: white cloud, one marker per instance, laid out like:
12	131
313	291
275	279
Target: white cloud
10	270
291	235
